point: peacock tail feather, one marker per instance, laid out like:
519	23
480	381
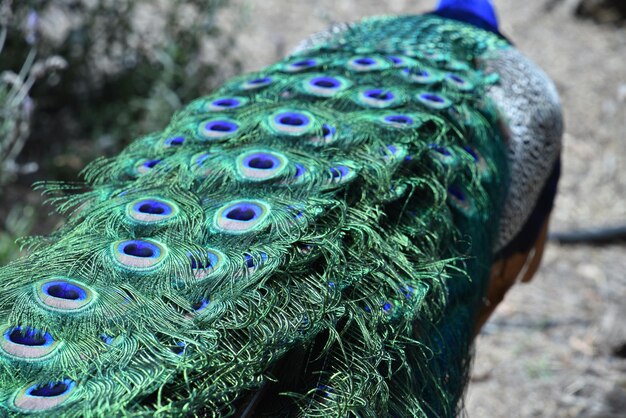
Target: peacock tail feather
321	230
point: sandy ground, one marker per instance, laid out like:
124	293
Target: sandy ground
551	349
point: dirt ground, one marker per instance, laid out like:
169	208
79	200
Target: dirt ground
556	347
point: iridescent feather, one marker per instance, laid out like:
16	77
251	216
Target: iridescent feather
313	240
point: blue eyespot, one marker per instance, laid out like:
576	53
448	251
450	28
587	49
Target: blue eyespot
241	216
151	211
216	129
459	82
440	150
28	336
199	164
433	100
460	200
261	165
201	305
63	295
41	397
51	389
328	135
292	119
291	122
226	103
257	83
147	165
27	343
379	94
398	120
393	153
421	76
301	65
378	98
139	254
325	86
207	263
366	63
300	170
387	307
341	173
253	263
175	141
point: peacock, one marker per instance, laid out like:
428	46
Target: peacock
321	238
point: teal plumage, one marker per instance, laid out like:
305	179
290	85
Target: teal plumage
323	228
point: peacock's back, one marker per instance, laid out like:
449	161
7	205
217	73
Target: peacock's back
314	239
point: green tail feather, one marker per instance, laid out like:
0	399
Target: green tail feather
340	204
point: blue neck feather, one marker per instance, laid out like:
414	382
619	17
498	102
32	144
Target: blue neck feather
480	13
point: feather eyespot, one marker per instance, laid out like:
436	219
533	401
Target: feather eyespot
299	175
393	153
456	193
408	291
261	165
175	141
151	210
325	86
434	101
180	348
300	170
201	305
199	164
458	82
241	216
326	391
421	76
27	343
203	265
325	82
473	153
257	83
460	200
301	65
40	397
110	340
253	263
440	149
399	61
292	123
387	307
226	103
64	295
329	134
442	153
398	120
392	149
366	63
296	212
146	166
480	162
139	254
341	174
378	98
217	129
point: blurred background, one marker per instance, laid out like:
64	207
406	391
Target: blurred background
82	78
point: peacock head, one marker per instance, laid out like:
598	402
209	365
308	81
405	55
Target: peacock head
480	13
